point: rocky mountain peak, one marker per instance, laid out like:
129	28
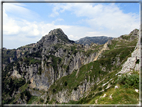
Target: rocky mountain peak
135	32
56	31
59	34
54	37
131	36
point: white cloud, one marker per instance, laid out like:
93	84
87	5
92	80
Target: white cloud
20	10
104	20
22	32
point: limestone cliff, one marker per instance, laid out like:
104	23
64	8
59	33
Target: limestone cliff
56	70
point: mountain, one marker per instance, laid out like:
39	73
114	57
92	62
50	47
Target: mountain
56	70
97	40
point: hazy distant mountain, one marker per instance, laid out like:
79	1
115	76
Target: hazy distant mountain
95	39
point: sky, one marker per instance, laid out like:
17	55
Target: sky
25	23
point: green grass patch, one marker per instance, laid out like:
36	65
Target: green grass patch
33	99
120	95
55	61
129	81
30	61
33	61
23	88
39	70
127	37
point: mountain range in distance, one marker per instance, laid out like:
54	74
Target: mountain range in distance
86	40
94	39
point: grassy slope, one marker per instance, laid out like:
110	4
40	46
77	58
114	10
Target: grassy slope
121	49
125	94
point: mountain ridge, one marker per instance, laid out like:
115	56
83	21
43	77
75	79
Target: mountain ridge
56	70
95	39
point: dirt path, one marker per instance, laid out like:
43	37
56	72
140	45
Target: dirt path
105	47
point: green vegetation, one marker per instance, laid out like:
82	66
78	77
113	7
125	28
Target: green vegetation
124	94
129	81
55	61
30	61
33	99
57	46
100	72
8	68
73	49
94	49
26	46
89	52
33	61
39	71
35	54
137	62
26	94
7	54
47	100
23	87
62	36
113	44
120	95
120	51
12	85
127	37
66	82
112	60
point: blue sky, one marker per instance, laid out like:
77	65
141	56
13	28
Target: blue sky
25	23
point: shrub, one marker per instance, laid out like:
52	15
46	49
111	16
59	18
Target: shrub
55	61
41	100
75	88
26	93
129	81
47	99
66	83
54	90
137	62
100	88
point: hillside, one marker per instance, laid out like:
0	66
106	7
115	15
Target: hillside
56	70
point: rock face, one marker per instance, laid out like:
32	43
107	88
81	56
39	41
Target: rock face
133	62
48	52
15	74
64	96
36	68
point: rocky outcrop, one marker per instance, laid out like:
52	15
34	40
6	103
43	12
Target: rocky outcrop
65	96
54	37
133	62
16	74
43	75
